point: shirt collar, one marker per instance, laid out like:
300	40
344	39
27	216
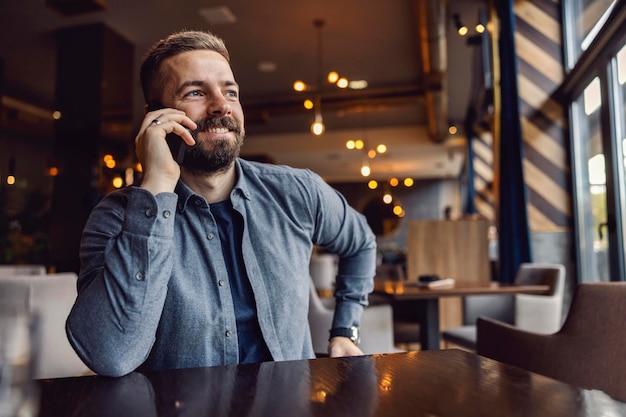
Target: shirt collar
186	194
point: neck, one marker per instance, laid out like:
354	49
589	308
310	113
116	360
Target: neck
214	187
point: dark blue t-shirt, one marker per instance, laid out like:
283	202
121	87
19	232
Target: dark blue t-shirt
252	347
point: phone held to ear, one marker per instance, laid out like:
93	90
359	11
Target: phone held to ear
176	144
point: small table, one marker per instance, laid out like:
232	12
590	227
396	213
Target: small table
427	300
429	383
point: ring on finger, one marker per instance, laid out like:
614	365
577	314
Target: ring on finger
156	121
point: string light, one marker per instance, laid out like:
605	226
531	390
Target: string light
365	169
342	83
118	182
461	29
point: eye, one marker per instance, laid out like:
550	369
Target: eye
232	93
193	94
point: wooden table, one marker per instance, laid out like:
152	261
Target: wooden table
426	301
428	383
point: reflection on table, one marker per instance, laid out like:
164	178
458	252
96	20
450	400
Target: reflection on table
425	301
438	383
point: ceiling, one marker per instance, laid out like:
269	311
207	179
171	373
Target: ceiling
362	39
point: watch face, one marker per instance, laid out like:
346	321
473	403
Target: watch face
355	335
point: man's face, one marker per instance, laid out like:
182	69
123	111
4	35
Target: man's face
202	84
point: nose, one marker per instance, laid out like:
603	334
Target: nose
219	106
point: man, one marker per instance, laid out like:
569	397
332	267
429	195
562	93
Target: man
206	263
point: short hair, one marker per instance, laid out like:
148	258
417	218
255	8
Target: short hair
152	78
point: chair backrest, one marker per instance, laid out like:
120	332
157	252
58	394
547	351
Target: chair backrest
22	270
540	313
541	274
51	297
323	271
320	320
588	351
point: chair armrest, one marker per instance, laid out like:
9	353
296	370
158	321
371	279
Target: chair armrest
507	343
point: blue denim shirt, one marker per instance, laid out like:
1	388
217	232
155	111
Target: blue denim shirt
153	288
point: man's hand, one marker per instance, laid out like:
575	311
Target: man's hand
343	346
160	171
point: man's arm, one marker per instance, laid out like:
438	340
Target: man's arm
345	232
126	264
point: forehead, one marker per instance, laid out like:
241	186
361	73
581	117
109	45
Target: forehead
200	65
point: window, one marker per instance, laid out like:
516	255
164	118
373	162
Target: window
596	88
583	21
590	178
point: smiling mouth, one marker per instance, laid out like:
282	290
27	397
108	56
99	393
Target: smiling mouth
217	130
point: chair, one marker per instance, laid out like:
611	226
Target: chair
588	351
323	270
376	329
51	298
22	270
540	313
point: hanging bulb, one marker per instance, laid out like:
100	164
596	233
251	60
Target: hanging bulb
318	128
365	169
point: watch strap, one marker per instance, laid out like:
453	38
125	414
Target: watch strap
351	333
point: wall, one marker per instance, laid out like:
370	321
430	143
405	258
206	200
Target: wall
426	199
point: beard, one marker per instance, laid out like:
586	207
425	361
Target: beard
215	155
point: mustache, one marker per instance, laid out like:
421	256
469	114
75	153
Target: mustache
211	122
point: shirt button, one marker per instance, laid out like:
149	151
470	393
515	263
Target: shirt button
211	236
229	333
198	203
220	282
166	214
139	276
149	213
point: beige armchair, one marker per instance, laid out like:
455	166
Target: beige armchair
51	297
376	328
22	270
539	313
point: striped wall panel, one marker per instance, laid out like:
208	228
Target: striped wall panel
538	43
482	146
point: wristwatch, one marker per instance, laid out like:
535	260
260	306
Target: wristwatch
351	333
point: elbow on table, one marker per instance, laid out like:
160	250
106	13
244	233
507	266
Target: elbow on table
105	361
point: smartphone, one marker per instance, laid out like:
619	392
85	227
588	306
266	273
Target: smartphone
176	144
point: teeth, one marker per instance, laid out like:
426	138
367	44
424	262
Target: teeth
217	130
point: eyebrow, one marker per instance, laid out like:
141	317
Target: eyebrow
198	83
